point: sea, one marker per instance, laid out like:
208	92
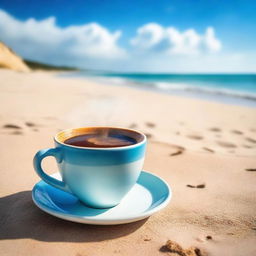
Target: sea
238	89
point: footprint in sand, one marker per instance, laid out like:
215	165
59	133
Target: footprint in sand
195	137
251	170
11	126
30	124
179	151
226	144
208	149
215	129
203	239
196	186
150	124
16	130
16	133
237	132
250	140
133	125
50	118
148	135
247	146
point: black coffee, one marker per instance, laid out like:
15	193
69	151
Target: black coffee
100	140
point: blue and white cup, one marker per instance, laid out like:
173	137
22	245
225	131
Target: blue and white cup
98	177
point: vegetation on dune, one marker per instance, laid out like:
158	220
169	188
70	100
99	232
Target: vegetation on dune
42	66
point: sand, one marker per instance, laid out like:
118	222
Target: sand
9	59
191	142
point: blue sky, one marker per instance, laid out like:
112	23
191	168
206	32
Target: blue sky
175	36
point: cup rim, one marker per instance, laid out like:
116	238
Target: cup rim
102	148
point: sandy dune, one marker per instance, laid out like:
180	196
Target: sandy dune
10	60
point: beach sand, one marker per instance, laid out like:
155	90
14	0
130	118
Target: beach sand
191	142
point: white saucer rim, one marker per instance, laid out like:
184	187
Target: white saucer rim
102	221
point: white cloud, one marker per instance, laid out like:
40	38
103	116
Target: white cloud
169	40
211	41
148	36
166	49
44	40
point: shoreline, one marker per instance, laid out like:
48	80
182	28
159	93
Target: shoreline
195	124
185	89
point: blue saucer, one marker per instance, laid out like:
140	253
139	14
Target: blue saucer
149	195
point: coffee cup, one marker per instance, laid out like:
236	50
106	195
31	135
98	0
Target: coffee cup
99	165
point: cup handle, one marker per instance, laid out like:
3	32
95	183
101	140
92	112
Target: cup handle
40	155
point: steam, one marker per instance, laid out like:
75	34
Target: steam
104	133
103	138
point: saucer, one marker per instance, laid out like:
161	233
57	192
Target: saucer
149	195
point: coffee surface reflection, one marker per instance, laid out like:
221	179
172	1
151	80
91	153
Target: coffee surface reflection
100	140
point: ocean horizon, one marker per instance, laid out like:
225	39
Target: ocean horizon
238	89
